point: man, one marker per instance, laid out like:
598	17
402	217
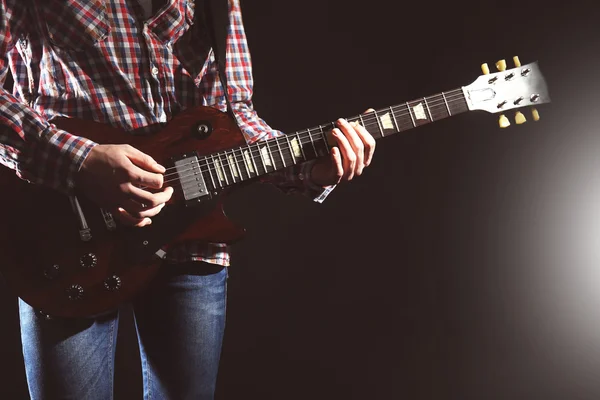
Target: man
133	64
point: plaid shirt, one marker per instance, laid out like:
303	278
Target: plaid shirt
103	60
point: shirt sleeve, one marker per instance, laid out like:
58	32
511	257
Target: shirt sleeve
35	149
294	179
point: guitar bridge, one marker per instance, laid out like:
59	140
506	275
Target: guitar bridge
191	179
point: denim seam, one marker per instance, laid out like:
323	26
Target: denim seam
110	359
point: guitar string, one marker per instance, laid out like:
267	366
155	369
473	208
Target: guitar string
371	119
237	173
365	118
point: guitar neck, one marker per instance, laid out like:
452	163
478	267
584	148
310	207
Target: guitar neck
251	161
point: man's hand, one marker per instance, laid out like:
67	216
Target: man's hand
354	152
115	177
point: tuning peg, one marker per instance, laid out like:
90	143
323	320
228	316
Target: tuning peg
517	61
503	121
501	65
535	114
520	118
485	69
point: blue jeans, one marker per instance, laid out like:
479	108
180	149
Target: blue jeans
179	320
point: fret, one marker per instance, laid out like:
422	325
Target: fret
249	156
411	116
300	146
324	137
223	168
313	143
273	163
362	122
219	170
287	139
233	165
208	168
245	163
240	169
280	152
457	102
239	157
379	123
268	156
418	113
394	119
428	109
438	108
275	154
260	154
386	122
232	173
446	102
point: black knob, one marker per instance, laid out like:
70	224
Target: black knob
88	261
112	284
75	292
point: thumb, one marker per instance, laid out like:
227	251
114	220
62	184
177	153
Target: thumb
338	169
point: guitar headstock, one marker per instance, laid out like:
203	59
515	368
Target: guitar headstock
509	89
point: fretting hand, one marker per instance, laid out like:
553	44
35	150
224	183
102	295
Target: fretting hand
354	152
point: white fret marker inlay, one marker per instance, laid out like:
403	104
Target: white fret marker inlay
419	111
296	148
386	121
265	154
219	170
248	161
233	167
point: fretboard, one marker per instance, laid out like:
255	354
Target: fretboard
251	161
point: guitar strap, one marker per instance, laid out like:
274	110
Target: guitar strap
216	18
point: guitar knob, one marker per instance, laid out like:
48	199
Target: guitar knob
75	292
113	283
485	69
501	65
88	261
520	118
535	114
517	61
503	121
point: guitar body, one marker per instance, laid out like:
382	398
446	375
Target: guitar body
46	262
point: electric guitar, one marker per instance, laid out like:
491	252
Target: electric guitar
66	257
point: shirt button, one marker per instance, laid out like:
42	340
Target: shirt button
154	71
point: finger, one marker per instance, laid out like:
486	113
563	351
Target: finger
348	155
368	142
127	219
141	177
141	211
147	198
355	142
143	160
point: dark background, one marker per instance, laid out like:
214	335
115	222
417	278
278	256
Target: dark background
465	262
